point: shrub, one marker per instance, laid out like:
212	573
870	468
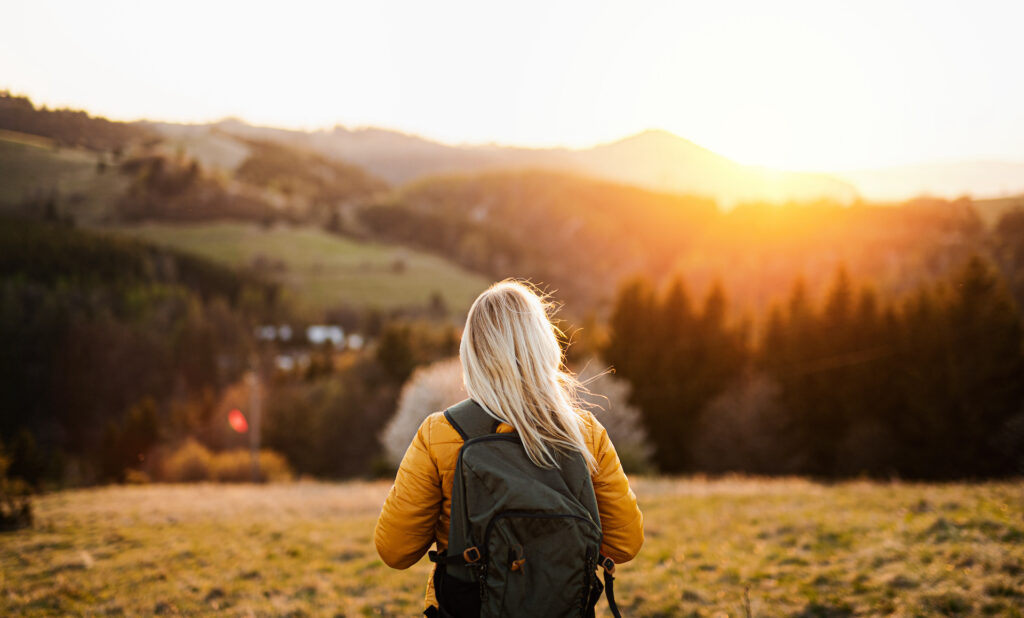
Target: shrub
609	398
429	389
194	462
235	466
191	462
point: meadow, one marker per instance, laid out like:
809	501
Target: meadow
323	270
33	167
729	547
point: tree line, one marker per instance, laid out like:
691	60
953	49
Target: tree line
100	336
69	127
929	385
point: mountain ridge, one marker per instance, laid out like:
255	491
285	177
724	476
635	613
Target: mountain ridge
654	159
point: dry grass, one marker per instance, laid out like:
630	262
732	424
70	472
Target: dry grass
793	547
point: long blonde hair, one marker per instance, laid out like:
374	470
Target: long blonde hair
513	365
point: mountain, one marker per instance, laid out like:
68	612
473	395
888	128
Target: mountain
980	179
655	160
663	161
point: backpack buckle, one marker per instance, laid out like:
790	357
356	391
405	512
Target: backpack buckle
607	563
471	555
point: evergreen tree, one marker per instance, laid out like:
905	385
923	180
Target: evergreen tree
987	364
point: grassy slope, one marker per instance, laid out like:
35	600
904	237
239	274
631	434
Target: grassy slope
31	165
801	548
324	269
991	210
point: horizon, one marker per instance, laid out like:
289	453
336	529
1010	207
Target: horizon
494	144
790	87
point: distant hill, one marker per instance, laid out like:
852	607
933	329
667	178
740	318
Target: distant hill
979	179
655	160
580	236
577	221
666	162
575	234
69	127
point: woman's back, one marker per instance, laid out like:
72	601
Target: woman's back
417	511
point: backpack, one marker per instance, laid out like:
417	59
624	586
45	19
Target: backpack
524	540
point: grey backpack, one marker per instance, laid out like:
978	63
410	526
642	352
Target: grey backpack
524	540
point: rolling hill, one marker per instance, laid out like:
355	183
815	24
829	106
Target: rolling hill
33	168
654	160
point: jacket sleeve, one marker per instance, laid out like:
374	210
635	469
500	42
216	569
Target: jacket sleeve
405	528
622	523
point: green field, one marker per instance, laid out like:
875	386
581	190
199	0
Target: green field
322	269
32	166
788	547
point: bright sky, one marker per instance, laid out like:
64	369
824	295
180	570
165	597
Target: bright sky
801	85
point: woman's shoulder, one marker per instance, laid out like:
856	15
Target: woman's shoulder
593	430
437	430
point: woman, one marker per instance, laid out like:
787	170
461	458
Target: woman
512	366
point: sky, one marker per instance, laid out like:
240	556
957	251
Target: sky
822	85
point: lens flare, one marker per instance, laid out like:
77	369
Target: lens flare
237	421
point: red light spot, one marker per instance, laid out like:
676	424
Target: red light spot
237	421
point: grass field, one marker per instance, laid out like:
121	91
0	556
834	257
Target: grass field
789	547
32	166
323	269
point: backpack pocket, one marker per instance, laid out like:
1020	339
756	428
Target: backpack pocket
539	564
455	598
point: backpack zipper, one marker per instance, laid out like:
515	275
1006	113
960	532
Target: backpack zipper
528	515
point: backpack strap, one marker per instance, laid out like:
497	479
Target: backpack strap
471	420
609	590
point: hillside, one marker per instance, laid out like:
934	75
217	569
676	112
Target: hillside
321	270
70	127
662	161
572	234
655	160
95	326
35	169
581	236
992	210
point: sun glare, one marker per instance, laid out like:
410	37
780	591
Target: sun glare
790	85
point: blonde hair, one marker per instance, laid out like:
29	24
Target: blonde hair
513	365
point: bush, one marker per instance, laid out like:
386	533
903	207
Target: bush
193	462
235	466
609	396
429	389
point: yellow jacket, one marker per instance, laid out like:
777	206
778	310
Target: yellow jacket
417	509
